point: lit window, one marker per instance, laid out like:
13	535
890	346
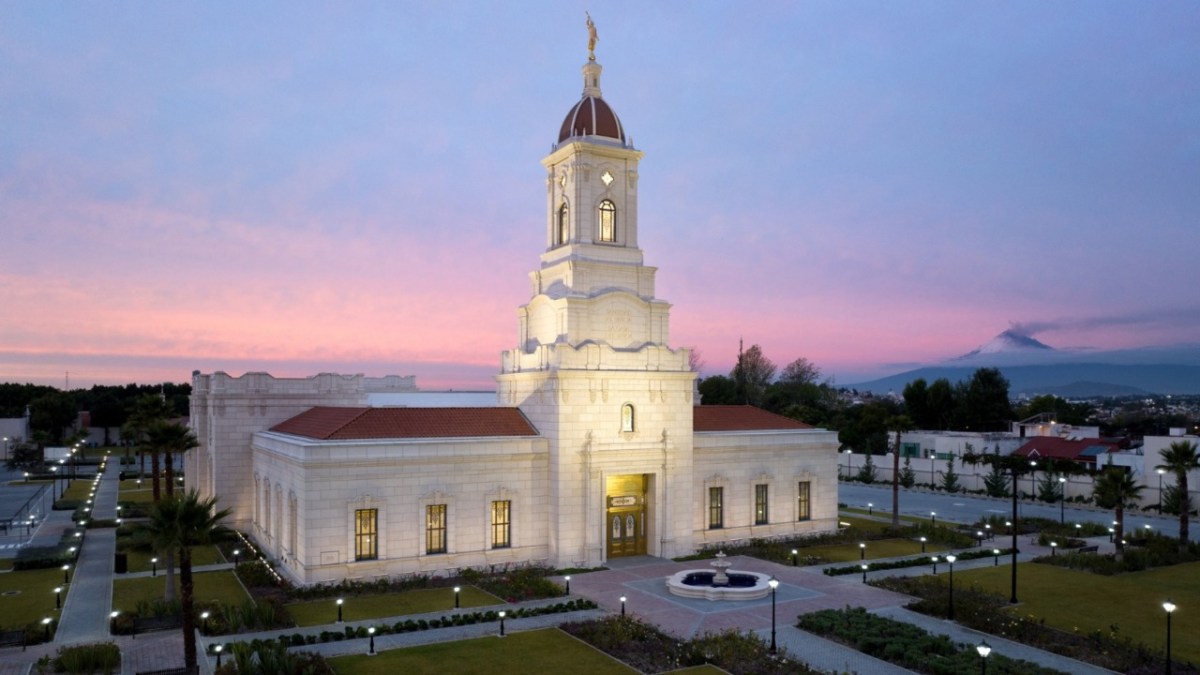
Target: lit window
716	508
501	524
803	501
562	226
627	417
761	516
366	546
608	221
435	528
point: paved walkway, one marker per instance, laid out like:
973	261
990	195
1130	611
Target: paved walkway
639	580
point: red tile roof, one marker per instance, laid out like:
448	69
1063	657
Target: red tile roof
329	424
740	418
1080	449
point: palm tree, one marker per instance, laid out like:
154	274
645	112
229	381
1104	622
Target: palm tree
180	522
1179	458
901	424
1115	489
170	438
148	410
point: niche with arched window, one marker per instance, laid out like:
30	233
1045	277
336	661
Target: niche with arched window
562	225
608	221
628	417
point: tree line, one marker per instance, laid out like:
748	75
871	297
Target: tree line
53	412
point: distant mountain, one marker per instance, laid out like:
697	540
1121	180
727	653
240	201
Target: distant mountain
1033	368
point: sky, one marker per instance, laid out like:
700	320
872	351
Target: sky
356	187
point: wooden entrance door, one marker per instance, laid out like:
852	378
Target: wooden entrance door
626	532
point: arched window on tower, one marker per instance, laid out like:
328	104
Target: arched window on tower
627	417
562	227
608	221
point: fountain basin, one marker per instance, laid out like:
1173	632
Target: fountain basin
699	584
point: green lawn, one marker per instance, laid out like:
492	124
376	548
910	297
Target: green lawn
221	586
27	597
139	561
879	548
1073	600
129	491
357	608
550	649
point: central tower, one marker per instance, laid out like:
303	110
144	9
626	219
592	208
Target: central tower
592	368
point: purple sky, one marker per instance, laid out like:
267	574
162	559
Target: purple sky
356	187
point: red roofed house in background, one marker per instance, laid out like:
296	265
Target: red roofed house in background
595	448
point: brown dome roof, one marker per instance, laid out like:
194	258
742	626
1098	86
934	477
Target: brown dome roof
591	116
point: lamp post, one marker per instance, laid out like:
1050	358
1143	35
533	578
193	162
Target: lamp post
46	622
1053	548
371	648
66	574
923	544
848	453
1160	475
870	509
862	551
54	478
502	620
950	559
219	649
204	622
933	559
795	553
774	584
996	554
456	590
339	606
154	567
984	649
1062	500
58	597
237	556
622	605
1169	607
568	580
933	517
864	571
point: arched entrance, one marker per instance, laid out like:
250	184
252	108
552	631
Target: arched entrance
625	511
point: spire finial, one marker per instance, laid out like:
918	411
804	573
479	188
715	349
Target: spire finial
592	37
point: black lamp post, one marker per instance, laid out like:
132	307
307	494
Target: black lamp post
870	509
371	648
933	517
46	623
864	570
339	606
933	558
923	544
66	574
984	649
237	556
502	613
1062	500
996	554
622	605
1160	475
456	590
219	649
58	597
154	567
774	584
568	580
794	554
950	559
1170	609
862	551
1053	548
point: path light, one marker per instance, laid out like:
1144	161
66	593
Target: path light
862	551
1062	500
979	536
58	597
774	584
339	606
46	622
622	605
371	649
950	559
237	556
1053	548
1160	475
456	590
922	544
568	580
219	649
933	558
870	509
502	613
66	571
1111	532
204	621
154	567
933	517
996	553
1169	607
864	569
984	649
794	554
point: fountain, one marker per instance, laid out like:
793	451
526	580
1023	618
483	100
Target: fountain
721	584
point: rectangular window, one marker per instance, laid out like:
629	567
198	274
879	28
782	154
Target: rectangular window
501	524
435	528
716	508
804	501
761	516
366	526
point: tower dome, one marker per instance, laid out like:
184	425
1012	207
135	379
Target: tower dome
592	115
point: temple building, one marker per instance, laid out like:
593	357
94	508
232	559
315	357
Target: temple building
596	446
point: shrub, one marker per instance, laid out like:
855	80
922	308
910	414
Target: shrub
102	657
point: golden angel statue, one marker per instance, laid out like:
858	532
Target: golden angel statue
592	37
